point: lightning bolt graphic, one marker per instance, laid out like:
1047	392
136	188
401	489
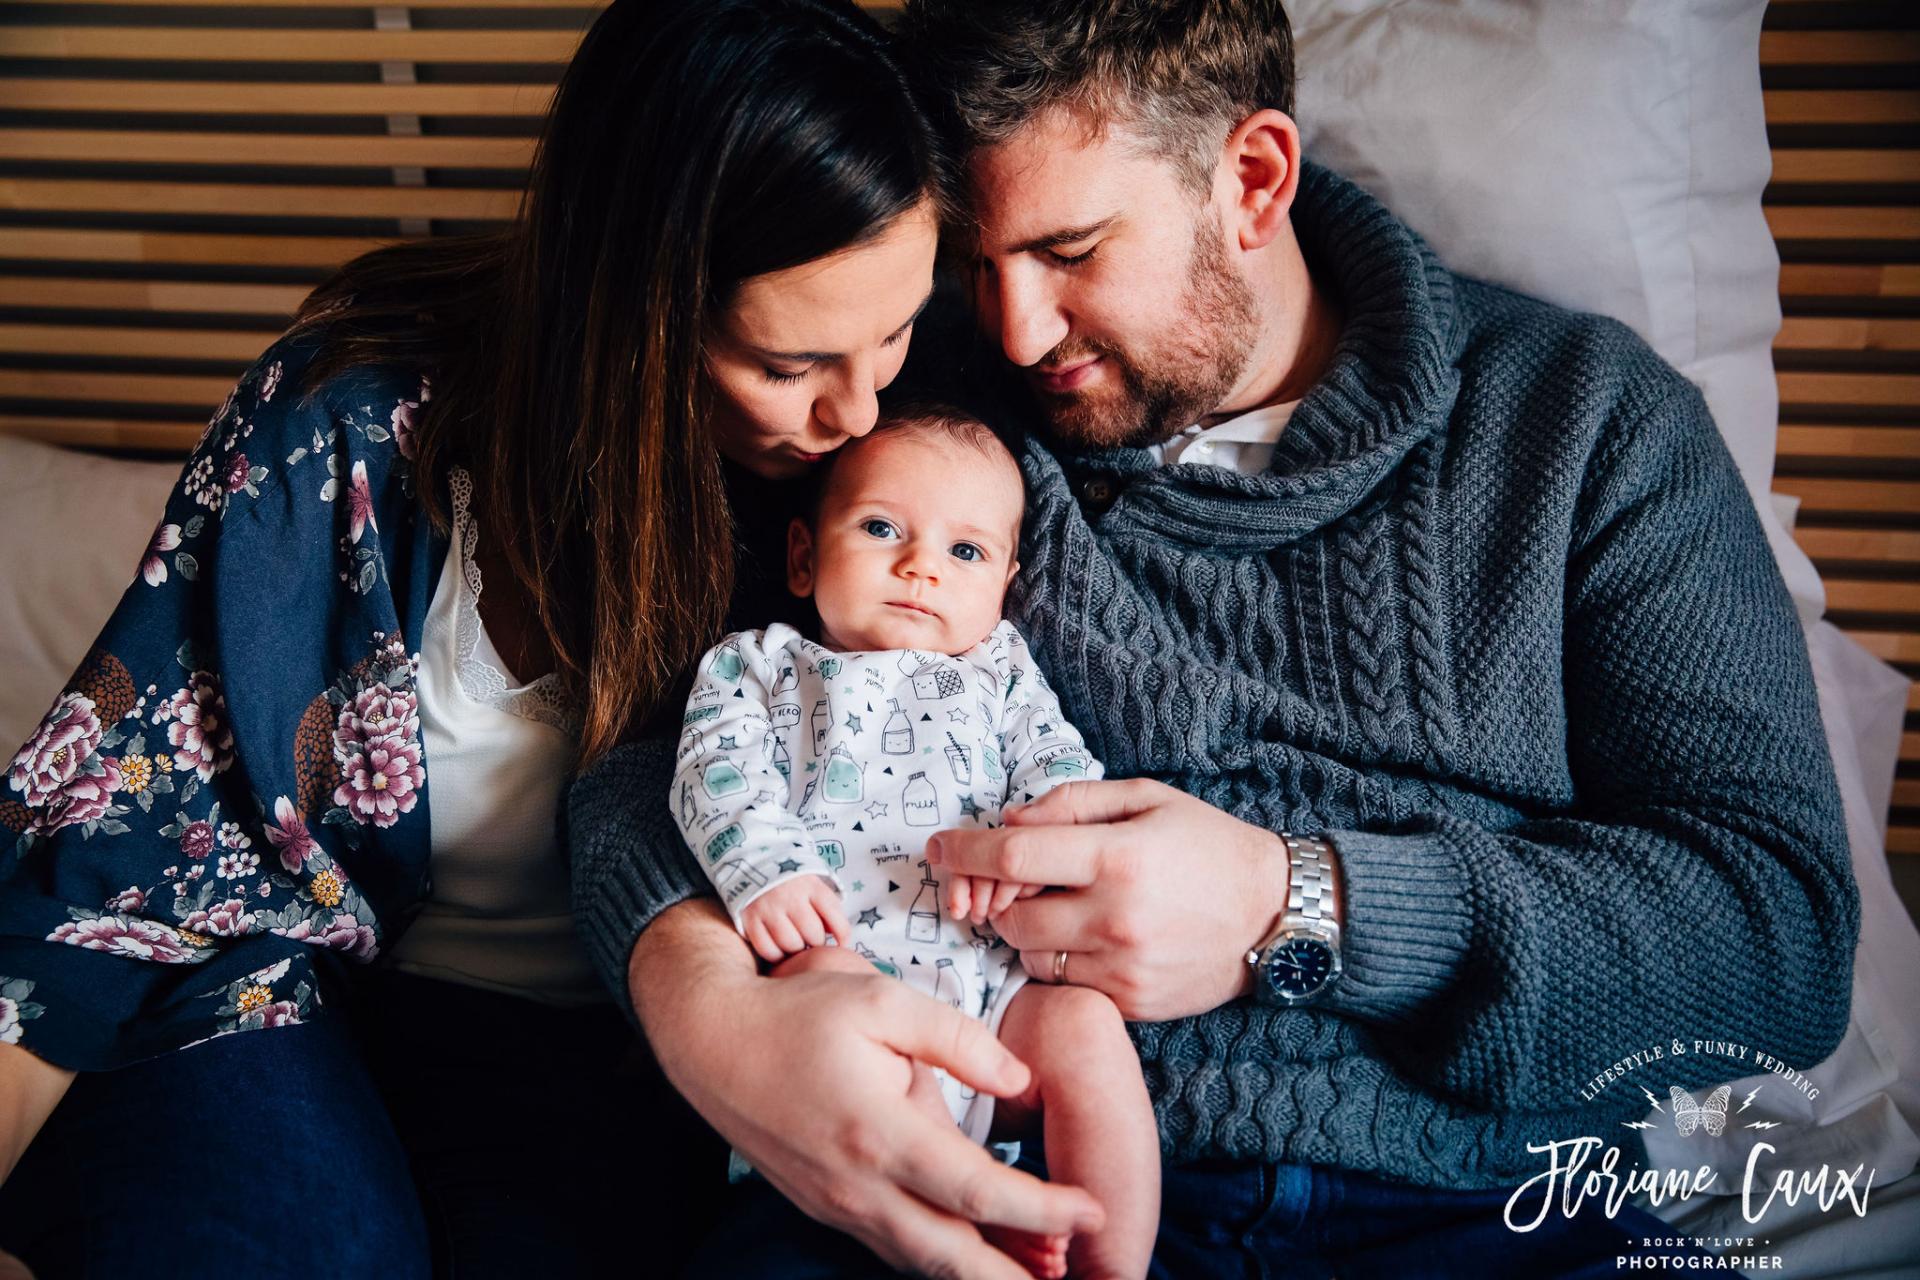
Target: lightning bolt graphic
1763	1124
1637	1124
1655	1101
1748	1100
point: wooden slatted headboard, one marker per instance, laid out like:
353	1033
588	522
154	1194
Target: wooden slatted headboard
172	183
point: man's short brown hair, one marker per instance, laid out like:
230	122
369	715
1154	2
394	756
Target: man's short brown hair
1180	74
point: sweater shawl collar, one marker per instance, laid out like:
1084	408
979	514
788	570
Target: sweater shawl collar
1391	383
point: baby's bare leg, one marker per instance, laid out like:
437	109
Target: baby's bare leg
1096	1117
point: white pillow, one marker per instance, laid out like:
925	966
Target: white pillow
1606	155
75	527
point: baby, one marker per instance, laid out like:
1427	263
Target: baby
811	774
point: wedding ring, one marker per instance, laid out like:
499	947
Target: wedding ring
1059	968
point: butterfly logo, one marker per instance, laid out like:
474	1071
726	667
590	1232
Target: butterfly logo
1710	1115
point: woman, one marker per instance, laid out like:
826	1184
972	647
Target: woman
459	530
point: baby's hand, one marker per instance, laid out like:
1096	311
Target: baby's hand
979	898
794	915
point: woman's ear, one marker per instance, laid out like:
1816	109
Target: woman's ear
1262	168
800	558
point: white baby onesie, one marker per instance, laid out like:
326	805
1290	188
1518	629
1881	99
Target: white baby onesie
796	760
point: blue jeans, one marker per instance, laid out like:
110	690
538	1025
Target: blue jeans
416	1129
1252	1222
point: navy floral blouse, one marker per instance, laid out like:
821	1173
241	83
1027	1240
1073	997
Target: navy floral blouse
229	796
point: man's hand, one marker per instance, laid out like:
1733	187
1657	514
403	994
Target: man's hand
794	915
808	1077
1158	896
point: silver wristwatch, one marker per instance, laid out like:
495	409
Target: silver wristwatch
1301	960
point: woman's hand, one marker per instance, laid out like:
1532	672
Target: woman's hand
30	1088
808	1077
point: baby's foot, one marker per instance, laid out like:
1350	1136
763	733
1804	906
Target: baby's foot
1044	1256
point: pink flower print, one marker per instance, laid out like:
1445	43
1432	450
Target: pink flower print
130	901
153	566
237	473
377	712
128	936
281	1013
402	422
271	384
197	840
228	919
201	485
57	752
381	781
86	798
236	866
360	502
199	732
342	933
290	836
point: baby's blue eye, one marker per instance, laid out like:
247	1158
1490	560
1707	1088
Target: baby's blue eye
967	551
878	528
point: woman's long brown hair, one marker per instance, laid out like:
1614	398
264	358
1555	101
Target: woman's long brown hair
692	145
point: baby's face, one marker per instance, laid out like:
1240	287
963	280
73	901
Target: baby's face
914	543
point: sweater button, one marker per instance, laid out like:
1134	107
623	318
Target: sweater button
1097	492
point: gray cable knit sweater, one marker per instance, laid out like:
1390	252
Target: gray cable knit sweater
1501	619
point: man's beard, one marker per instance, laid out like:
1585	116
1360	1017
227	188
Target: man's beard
1196	361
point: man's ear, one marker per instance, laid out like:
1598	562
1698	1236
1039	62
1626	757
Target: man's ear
1260	168
800	558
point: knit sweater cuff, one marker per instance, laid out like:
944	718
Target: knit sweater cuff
629	861
1406	923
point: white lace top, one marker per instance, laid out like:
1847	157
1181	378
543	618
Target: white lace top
497	755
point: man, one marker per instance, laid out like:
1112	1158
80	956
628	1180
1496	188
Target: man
1470	737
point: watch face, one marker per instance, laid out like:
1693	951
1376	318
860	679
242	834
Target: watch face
1299	967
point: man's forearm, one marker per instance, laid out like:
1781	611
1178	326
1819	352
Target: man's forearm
30	1088
688	951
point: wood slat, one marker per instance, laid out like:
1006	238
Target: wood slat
1906	793
229	44
95	196
276	300
141	147
40	244
1910	746
1847	333
1913	696
1828	495
1843	222
117	388
1838	48
1842	106
238	345
105	433
1842	280
1880	546
295	99
1868	167
1850	595
1903	839
1874	389
1848	442
1889	646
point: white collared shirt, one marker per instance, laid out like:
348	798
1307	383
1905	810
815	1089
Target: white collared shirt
1242	444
